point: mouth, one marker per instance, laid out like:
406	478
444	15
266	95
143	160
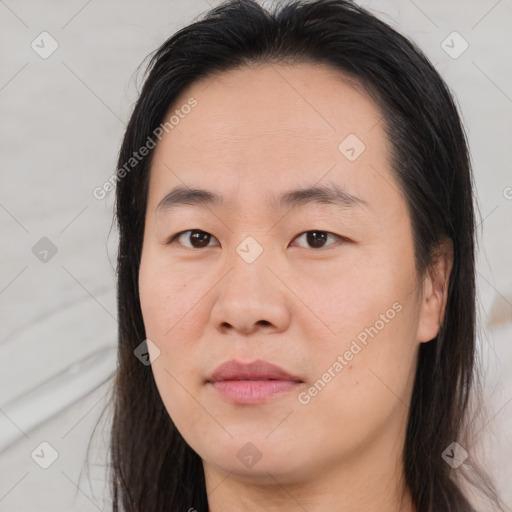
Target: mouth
252	391
251	383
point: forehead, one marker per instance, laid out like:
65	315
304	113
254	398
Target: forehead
271	127
311	102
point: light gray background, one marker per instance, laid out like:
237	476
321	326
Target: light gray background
62	119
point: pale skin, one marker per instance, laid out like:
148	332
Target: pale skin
256	133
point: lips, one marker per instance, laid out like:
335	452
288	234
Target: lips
251	383
257	370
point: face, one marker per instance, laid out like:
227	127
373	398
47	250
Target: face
321	283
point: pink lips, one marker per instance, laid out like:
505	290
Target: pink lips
251	383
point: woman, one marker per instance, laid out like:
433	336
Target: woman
296	262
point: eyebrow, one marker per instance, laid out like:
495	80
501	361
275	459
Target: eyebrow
331	194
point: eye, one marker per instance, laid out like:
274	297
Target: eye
198	239
317	238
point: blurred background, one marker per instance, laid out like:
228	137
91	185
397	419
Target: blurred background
68	79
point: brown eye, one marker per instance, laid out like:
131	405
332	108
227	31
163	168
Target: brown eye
197	238
316	239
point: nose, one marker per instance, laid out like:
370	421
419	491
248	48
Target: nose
251	298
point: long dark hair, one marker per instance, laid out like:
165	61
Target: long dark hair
153	468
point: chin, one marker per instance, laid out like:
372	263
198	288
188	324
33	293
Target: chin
261	461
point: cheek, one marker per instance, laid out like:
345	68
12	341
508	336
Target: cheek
367	358
363	379
167	297
350	295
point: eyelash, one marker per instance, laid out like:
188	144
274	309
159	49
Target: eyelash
177	235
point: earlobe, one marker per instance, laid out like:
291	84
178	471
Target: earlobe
435	292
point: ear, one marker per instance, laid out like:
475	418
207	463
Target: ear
435	292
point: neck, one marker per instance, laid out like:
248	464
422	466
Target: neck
357	485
